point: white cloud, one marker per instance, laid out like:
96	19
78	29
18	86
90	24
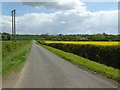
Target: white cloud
71	18
59	5
63	22
99	22
5	23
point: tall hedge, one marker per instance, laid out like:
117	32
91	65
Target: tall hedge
109	55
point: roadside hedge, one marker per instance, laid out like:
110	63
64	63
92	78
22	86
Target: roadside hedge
109	55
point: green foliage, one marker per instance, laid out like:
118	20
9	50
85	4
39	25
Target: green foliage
9	37
27	37
14	55
94	66
99	37
108	55
10	47
6	36
61	37
79	37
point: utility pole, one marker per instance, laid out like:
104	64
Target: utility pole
13	26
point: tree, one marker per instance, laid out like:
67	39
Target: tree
9	37
6	36
98	37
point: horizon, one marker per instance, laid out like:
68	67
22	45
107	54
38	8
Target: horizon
61	34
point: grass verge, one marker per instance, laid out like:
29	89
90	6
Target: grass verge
0	58
109	72
15	59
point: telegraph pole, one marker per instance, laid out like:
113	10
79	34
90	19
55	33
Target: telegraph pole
13	26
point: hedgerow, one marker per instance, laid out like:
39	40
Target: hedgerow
108	55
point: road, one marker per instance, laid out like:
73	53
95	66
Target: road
46	70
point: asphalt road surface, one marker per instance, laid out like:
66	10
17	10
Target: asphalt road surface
46	70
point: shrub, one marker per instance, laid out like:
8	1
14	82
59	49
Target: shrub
108	55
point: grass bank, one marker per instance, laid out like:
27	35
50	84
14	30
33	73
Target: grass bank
0	58
14	55
109	72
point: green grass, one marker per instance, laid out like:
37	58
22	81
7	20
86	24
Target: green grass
109	72
0	58
14	56
27	37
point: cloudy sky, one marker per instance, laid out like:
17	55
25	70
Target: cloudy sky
61	17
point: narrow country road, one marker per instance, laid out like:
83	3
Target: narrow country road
46	70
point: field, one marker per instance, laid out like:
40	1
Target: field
102	52
103	43
27	37
14	55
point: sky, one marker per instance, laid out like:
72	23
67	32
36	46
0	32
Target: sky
61	17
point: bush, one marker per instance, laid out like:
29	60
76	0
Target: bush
108	55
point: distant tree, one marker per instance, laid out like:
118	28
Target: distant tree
78	37
98	37
6	36
9	37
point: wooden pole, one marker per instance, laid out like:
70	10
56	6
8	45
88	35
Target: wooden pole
12	27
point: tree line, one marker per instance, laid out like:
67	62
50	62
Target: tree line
61	37
80	37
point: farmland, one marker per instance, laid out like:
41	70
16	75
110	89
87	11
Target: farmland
8	37
27	37
102	52
103	43
14	55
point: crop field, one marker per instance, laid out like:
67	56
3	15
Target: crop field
27	37
14	55
103	43
103	52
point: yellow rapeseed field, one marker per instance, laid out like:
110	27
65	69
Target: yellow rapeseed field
104	43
